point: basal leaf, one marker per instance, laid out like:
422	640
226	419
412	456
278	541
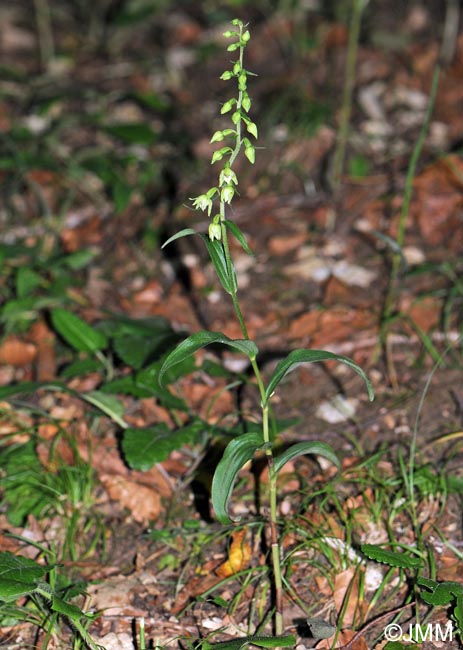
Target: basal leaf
145	447
296	357
301	448
68	609
109	404
392	558
236	454
199	340
18	575
442	593
81	336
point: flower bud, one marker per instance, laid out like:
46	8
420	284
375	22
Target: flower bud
215	231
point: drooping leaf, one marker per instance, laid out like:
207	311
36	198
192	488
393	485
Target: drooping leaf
108	404
178	235
236	454
296	357
238	234
81	336
302	448
145	447
69	610
199	340
392	558
18	575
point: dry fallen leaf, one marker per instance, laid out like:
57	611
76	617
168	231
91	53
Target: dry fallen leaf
15	352
238	556
143	502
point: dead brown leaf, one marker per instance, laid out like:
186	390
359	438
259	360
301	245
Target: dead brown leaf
18	353
143	502
239	555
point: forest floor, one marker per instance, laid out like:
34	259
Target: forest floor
105	130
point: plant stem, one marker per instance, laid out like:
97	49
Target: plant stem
273	520
346	107
392	290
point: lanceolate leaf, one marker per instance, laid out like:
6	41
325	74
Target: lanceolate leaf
109	404
236	454
392	558
81	336
301	448
236	232
199	340
182	233
261	641
297	357
217	256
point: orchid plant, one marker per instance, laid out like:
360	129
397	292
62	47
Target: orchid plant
215	202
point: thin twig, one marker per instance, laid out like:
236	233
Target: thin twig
374	622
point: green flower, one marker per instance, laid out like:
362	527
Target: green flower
215	231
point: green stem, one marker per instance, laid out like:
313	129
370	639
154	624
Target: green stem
392	290
273	520
346	107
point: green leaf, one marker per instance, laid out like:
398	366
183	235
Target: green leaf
81	336
182	233
296	357
302	448
133	133
26	281
217	256
237	233
392	558
18	575
442	593
68	609
285	641
109	404
236	454
134	350
81	367
199	340
145	447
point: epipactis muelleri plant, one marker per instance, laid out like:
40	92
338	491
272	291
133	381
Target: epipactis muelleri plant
241	449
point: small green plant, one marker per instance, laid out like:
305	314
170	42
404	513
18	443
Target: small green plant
36	278
432	592
263	439
47	602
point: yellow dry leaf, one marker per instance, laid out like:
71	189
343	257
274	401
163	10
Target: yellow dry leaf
239	555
